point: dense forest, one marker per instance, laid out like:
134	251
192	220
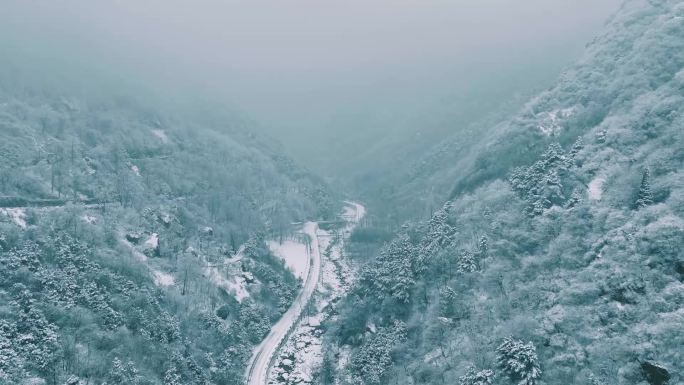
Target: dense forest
132	241
155	234
556	256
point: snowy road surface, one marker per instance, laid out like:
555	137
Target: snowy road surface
259	364
257	370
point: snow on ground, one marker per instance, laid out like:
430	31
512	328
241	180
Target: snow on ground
344	357
432	356
152	241
294	364
136	254
595	188
549	122
237	257
236	286
89	219
161	278
353	213
294	253
18	216
161	135
258	372
330	281
303	353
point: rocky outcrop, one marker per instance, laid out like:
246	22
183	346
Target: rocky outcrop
655	374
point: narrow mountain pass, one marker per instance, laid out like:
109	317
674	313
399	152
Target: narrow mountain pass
265	353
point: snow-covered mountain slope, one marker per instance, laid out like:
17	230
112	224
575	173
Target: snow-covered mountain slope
639	52
132	241
557	258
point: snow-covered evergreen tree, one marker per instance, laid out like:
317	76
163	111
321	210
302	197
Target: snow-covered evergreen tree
575	198
519	360
552	189
375	355
541	185
576	147
645	196
11	364
473	376
483	246
467	263
123	373
36	338
439	231
447	302
395	270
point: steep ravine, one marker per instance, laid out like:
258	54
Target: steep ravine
292	349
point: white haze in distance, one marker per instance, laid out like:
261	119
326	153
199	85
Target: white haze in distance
295	64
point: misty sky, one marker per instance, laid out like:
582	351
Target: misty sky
297	64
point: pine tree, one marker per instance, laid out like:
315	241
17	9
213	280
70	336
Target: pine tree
36	336
576	147
467	263
482	252
483	246
476	377
447	302
535	203
645	196
11	364
439	230
575	198
519	360
552	189
374	356
540	184
121	373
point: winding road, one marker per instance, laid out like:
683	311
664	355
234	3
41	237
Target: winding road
257	370
262	358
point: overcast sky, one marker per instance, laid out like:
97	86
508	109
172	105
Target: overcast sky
297	63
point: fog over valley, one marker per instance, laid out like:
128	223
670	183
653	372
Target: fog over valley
318	76
233	192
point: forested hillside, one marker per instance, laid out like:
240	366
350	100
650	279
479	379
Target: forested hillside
132	240
616	68
391	159
557	258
